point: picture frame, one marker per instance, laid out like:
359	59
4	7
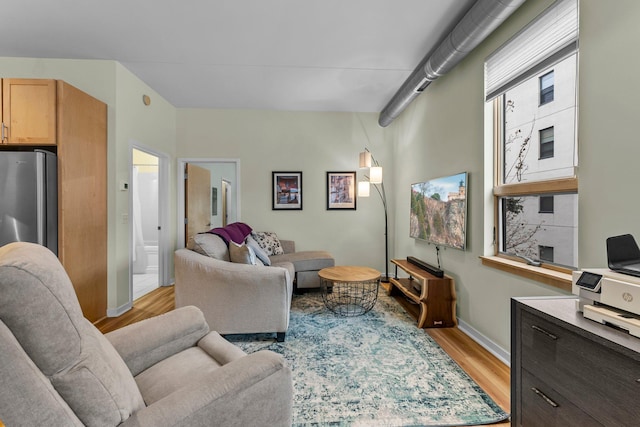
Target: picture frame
341	190
286	190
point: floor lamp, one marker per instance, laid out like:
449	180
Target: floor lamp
367	161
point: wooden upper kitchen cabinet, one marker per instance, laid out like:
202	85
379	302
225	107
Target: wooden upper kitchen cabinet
29	111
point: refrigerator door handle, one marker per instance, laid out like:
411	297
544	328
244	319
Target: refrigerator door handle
41	195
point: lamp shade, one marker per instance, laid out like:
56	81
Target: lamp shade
363	189
375	175
365	160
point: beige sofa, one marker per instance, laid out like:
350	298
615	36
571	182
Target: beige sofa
239	298
57	369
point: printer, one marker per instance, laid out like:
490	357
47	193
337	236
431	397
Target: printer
612	295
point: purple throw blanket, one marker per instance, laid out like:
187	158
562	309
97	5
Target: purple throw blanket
235	232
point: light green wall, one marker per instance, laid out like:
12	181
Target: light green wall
442	133
128	119
152	126
609	147
313	143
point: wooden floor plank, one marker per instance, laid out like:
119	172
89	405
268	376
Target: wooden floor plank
152	304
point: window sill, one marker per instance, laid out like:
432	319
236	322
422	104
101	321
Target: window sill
545	275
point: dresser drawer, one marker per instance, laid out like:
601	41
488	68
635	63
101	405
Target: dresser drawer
601	381
542	406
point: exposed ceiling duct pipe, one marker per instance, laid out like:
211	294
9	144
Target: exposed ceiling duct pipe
480	21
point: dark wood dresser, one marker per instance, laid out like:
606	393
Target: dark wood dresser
567	370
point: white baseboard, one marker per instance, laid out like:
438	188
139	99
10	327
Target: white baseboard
115	312
485	342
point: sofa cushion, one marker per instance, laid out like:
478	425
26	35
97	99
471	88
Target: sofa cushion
210	245
257	249
242	254
187	367
41	309
306	260
175	372
268	241
288	245
286	265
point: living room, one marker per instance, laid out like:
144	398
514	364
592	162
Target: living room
441	133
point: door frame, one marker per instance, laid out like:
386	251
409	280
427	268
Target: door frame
163	219
182	164
225	200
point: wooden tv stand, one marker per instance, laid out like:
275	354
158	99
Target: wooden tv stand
436	296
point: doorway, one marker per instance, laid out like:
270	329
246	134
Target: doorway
148	172
223	195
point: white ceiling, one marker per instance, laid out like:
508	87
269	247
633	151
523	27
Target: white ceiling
309	55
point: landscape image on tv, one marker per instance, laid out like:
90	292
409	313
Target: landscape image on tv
439	211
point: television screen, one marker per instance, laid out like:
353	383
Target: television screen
439	211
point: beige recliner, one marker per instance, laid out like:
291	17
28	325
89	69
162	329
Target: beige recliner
57	369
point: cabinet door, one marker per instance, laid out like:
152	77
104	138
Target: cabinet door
82	197
29	111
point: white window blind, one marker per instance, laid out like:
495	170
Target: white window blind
551	37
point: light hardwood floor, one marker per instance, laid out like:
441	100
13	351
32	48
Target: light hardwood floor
156	302
487	370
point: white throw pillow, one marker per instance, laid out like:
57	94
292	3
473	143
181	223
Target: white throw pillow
260	253
268	241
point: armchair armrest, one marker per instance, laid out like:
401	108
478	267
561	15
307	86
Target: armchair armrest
255	390
149	341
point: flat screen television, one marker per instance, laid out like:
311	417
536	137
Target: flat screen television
439	211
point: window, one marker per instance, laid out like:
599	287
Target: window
546	253
525	179
546	88
546	204
536	193
546	143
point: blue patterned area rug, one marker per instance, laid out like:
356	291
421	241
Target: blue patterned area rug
377	369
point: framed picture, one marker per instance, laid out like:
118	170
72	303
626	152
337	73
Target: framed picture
341	188
287	190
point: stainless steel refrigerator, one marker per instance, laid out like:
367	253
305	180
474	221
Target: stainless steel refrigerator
29	198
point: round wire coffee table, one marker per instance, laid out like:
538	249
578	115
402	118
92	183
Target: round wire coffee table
349	290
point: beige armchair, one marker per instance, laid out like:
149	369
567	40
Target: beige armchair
56	368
